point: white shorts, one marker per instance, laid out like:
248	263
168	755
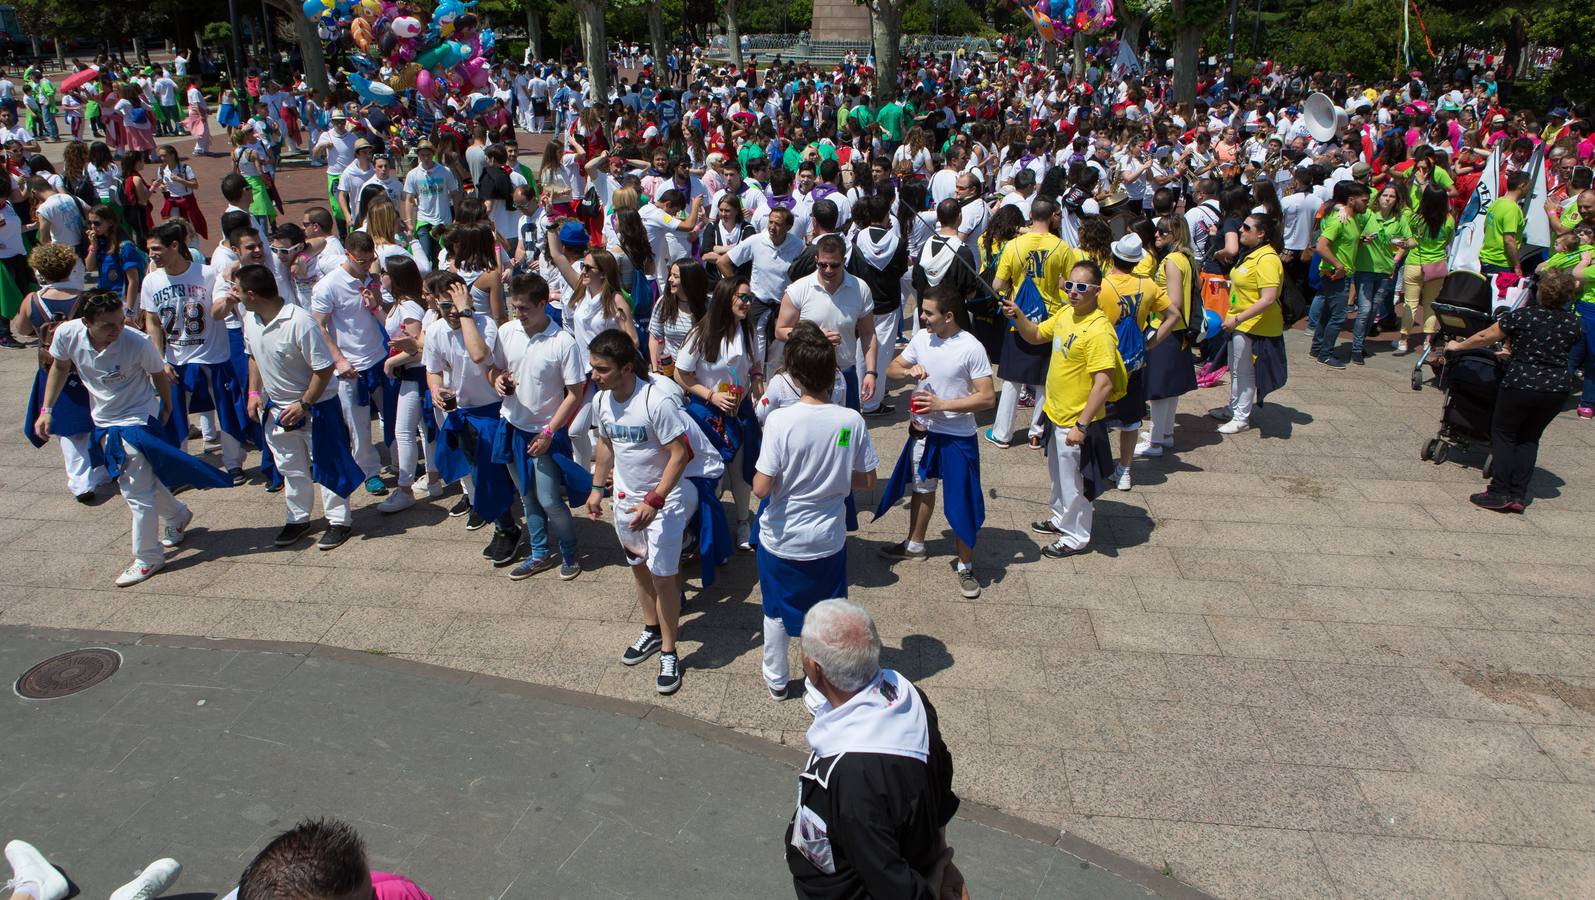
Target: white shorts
918	484
659	545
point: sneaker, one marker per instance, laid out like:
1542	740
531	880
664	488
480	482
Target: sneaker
150	883
172	533
1586	412
1044	526
237	473
1333	362
1516	506
1148	449
1487	500
640	649
212	444
137	572
992	439
274	487
569	571
375	487
291	533
435	489
1027	399
532	566
503	548
777	694
900	550
1121	478
398	501
389	471
1357	360
1402	349
474	521
1221	413
193	432
968	585
1035	442
87	498
28	864
334	537
744	536
1058	550
669	680
885	409
1234	427
11	343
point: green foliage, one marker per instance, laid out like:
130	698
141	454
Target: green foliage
1571	27
955	17
764	16
218	34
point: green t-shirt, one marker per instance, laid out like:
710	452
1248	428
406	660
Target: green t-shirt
793	157
1378	255
827	150
1343	236
862	116
1504	217
891	121
749	151
1570	260
841	118
1441	177
1431	248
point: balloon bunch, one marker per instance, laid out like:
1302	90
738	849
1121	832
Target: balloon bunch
434	55
1058	20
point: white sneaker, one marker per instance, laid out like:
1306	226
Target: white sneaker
1234	426
152	882
28	864
172	533
434	489
398	501
1121	478
744	536
137	572
1145	449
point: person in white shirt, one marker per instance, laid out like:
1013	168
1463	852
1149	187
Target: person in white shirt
130	393
290	371
813	455
335	148
664	223
185	322
346	303
541	374
771	253
953	383
944	184
644	445
354	178
60	215
842	306
429	192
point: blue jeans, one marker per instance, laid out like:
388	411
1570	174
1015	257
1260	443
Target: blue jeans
1492	269
1327	315
1374	292
850	379
1583	356
545	508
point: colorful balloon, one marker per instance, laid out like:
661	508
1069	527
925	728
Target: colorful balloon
406	27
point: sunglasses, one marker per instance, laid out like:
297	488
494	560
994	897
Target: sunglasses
1247	226
827	266
1080	286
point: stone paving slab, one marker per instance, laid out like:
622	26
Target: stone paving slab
476	788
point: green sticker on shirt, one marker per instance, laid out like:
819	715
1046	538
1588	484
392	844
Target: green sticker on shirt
846	437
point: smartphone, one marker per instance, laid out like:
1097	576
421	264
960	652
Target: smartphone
1583	178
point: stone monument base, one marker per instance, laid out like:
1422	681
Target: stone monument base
840	20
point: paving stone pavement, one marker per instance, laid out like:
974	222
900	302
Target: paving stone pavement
1297	664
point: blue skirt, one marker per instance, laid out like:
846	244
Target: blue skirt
1170	370
227	116
791	587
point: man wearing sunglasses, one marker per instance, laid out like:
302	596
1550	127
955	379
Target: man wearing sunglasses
1084	374
843	307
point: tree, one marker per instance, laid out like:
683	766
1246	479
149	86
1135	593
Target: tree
733	33
886	27
595	48
1187	20
312	51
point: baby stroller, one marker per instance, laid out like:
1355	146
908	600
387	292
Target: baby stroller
1463	308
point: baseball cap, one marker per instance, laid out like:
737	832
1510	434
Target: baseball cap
1361	170
573	234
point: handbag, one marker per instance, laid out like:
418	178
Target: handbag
1434	271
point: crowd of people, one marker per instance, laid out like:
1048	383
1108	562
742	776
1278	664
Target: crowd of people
715	283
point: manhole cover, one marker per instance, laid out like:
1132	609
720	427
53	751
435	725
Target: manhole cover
69	673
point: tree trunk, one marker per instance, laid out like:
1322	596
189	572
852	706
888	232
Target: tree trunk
1077	64
590	25
534	33
1131	34
886	27
138	49
1187	46
1049	54
1516	46
311	50
656	29
733	35
38	45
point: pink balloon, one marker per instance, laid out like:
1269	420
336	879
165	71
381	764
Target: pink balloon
423	83
476	72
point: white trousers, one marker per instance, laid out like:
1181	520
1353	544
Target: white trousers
409	435
776	665
150	502
358	419
1071	511
291	450
81	475
1162	430
886	339
1008	406
210	430
1242	377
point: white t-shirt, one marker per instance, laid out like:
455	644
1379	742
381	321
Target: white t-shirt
951	367
66	221
542	366
813	452
781	391
445	354
638	430
10	233
183	305
586	320
838	312
405	311
770	262
431	189
118	377
733	368
340	150
1300	211
659	226
356	329
165	91
287	351
352	182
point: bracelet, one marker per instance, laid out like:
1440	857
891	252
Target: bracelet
254	394
654	500
869	372
45	410
548	431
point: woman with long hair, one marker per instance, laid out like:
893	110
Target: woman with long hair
138	123
636	258
384	224
727	231
473	255
682	304
1255	323
198	120
1096	241
1430	228
136	196
1170	368
551	175
717	370
407	316
177	183
249	160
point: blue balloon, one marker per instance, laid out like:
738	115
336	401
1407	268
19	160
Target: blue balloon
313	9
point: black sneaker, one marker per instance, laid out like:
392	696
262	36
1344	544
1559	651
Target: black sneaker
86	498
642	648
1044	526
237	475
504	547
474	522
669	680
1333	362
1059	550
1357	360
11	343
461	508
334	537
1487	500
777	694
885	409
291	533
900	550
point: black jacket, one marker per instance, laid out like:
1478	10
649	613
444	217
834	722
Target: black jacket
882	817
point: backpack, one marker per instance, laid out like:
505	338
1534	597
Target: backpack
1193	311
83	189
642	298
1132	340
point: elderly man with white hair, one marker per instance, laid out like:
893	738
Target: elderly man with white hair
876	795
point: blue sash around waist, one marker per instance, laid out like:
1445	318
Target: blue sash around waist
332	464
173	468
510	446
955	459
466	448
69	415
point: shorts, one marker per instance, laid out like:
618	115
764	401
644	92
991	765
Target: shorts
916	482
658	545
